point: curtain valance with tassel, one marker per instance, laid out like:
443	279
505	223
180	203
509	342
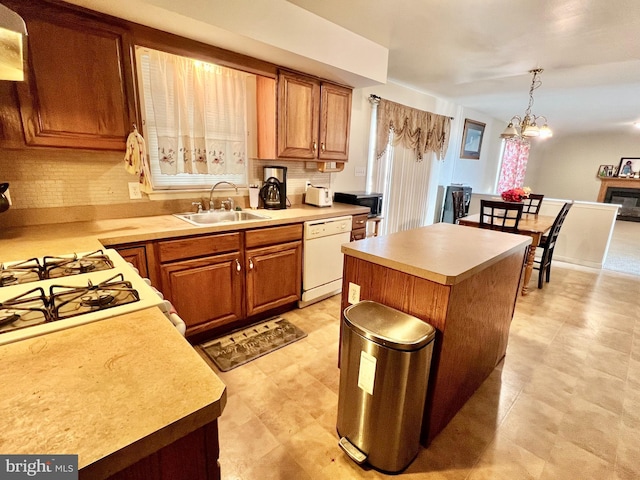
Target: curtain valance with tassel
416	129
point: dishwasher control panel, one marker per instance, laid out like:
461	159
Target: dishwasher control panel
326	227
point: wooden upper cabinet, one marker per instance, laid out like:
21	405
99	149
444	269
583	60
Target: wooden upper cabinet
79	89
335	120
298	116
312	118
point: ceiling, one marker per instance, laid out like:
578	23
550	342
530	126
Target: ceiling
478	54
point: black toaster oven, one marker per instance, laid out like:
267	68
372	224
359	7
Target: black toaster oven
365	199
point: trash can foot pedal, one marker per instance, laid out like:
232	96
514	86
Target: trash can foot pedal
351	450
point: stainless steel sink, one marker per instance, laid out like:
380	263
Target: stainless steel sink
213	217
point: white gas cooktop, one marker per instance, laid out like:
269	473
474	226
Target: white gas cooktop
12	328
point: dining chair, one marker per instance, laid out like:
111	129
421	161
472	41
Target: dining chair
533	203
547	245
498	215
458	205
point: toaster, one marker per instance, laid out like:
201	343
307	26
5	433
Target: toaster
318	196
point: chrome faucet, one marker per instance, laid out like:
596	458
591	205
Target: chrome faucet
228	202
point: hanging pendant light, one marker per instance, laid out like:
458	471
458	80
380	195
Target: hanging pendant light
12	30
527	126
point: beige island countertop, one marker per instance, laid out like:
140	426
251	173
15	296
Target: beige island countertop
442	253
112	392
20	243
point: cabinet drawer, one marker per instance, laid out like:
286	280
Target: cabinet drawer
170	250
273	235
359	221
358	234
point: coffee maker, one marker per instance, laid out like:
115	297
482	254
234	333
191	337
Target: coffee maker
274	190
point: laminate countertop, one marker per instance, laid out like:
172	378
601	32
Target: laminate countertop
112	392
442	253
20	243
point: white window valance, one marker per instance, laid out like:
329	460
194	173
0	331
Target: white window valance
415	129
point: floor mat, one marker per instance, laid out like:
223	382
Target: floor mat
238	348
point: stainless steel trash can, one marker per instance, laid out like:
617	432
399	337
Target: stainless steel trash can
384	370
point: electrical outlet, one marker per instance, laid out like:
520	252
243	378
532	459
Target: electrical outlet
360	172
134	190
354	293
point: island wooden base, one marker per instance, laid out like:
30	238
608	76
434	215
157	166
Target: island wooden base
193	457
472	319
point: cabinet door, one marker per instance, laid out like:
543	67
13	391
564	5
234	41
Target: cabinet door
298	116
206	292
137	257
78	88
335	121
274	276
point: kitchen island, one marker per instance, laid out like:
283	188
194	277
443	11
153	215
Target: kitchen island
128	395
464	282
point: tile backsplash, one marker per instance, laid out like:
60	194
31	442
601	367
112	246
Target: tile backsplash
66	178
43	178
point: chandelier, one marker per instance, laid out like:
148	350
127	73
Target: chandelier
527	126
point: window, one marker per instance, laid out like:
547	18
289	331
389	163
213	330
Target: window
195	120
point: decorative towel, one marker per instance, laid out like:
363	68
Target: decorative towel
135	160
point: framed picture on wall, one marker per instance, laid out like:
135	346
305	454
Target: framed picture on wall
471	139
629	167
606	170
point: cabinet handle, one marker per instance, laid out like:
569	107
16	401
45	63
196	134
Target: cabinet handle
250	264
322	147
360	221
238	267
315	146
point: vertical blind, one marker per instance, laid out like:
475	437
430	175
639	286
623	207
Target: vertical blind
195	120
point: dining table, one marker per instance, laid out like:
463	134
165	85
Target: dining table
530	224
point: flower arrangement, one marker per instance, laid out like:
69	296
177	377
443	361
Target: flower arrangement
515	194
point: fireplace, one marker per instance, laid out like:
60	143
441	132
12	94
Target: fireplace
629	198
622	191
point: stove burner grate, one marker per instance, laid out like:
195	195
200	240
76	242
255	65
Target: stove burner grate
71	301
33	269
56	267
30	308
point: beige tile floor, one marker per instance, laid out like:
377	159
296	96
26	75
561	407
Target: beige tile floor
564	403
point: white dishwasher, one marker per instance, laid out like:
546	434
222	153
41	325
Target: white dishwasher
322	258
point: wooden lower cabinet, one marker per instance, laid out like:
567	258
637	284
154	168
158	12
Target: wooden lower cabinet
136	256
206	292
217	282
358	234
192	457
273	276
359	227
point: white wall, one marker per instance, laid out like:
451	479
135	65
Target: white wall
566	167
